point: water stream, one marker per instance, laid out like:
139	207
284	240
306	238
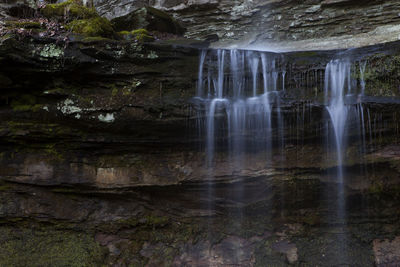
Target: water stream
242	95
238	106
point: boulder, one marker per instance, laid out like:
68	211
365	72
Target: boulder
150	19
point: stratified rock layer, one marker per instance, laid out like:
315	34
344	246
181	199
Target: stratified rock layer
101	154
282	25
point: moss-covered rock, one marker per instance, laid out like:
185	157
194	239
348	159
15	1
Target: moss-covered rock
150	19
26	103
24	24
382	75
140	35
26	247
96	39
71	9
93	27
81	19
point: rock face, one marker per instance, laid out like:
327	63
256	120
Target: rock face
102	142
278	25
387	252
137	95
100	149
273	24
150	19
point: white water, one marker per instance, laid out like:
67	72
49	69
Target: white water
346	113
337	80
239	93
344	106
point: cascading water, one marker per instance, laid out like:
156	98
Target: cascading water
345	110
239	100
241	96
346	116
337	80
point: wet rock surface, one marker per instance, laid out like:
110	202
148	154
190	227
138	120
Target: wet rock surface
147	227
100	149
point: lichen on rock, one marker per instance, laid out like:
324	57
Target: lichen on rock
108	118
51	51
152	55
68	107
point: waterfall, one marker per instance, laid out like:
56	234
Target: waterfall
253	113
346	115
239	93
344	106
200	76
337	80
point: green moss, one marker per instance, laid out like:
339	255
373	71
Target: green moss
304	54
126	91
4	186
24	24
26	103
95	39
34	108
51	150
382	75
70	9
93	27
114	91
140	31
79	11
26	247
156	220
83	20
140	35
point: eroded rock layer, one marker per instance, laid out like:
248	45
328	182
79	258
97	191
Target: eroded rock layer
100	150
278	24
